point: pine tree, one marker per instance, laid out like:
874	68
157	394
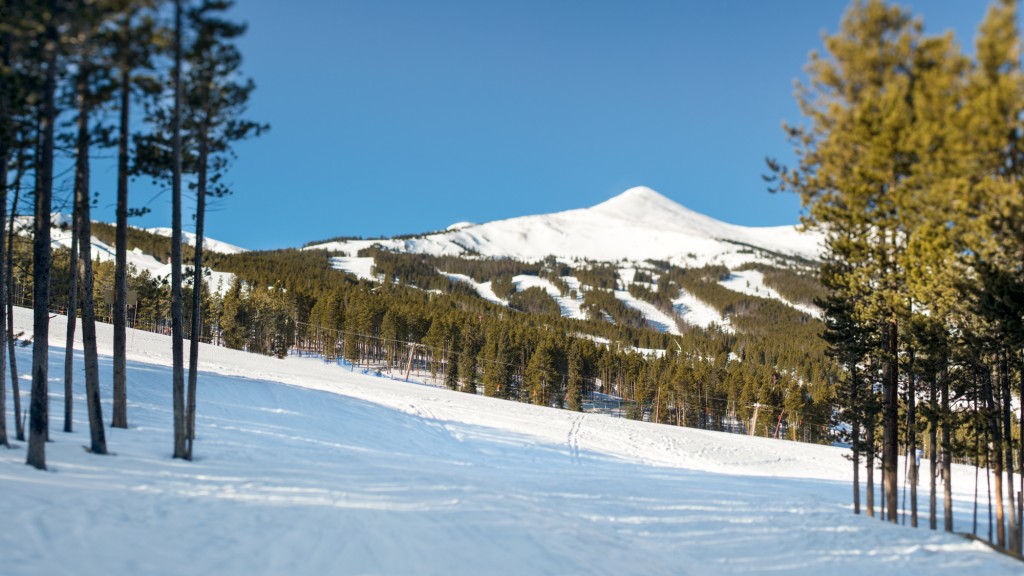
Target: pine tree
38	407
854	160
215	100
88	22
132	40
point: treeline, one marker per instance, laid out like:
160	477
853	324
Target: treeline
911	163
711	379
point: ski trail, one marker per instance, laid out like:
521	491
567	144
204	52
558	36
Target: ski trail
573	439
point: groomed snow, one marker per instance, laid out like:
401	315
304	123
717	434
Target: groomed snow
569	307
656	318
751	282
696	312
307	468
483	289
359	267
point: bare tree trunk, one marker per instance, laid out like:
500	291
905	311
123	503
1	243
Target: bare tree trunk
177	329
855	439
98	442
38	409
119	418
19	428
890	439
947	452
6	140
912	461
69	343
932	452
995	453
1004	387
197	289
869	463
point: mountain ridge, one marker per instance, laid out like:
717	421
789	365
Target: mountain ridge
636	225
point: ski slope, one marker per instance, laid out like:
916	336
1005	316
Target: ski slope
308	468
751	282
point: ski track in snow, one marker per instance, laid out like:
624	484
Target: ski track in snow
304	467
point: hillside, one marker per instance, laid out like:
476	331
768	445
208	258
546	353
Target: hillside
307	468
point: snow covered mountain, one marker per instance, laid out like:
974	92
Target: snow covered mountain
637	225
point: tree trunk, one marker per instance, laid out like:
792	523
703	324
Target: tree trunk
5	155
869	463
177	329
855	439
19	428
119	418
197	290
947	452
38	408
995	453
1004	387
890	434
69	343
932	452
98	442
912	461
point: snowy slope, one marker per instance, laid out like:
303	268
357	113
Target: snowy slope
655	318
208	243
306	468
752	282
637	225
697	313
569	307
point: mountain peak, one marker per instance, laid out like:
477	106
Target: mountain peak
640	196
643	203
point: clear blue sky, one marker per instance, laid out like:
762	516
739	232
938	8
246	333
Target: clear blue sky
393	117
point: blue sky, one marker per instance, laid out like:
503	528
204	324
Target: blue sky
393	117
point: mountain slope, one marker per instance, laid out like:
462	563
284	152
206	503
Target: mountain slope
637	225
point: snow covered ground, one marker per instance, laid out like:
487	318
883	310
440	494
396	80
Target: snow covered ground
359	267
483	289
696	312
309	468
569	307
752	282
656	318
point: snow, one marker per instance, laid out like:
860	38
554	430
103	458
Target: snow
637	225
483	289
208	243
60	236
751	282
305	467
359	267
656	318
696	312
569	307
